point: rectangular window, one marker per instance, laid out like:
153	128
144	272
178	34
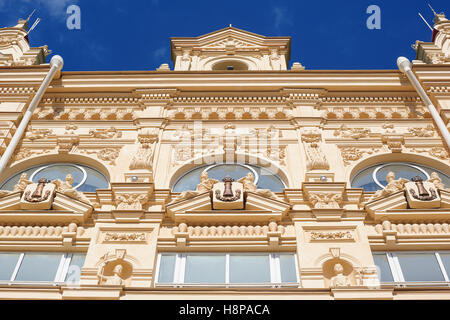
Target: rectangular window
227	269
413	267
40	267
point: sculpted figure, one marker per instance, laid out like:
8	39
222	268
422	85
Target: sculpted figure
248	183
436	180
65	187
205	185
114	280
392	186
275	60
339	280
22	183
325	200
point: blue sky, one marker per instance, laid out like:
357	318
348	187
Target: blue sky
135	34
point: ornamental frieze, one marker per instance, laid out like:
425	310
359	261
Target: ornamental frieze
331	235
124	237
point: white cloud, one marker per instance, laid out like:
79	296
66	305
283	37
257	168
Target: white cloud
160	52
282	17
54	8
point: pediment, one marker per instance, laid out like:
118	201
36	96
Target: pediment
199	209
64	209
395	208
238	38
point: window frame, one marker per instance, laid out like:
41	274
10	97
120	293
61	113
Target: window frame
60	275
397	273
43	166
379	166
245	165
274	269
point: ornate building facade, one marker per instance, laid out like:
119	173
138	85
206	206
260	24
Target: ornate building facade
228	177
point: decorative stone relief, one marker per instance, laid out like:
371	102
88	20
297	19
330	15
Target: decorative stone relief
428	131
106	154
413	228
325	200
143	159
25	153
40	231
66	143
422	194
132	201
339	279
338	235
438	152
393	141
206	184
224	113
249	185
315	158
229	195
110	133
436	181
38	195
65	187
233	230
392	186
352	133
123	236
350	154
35	134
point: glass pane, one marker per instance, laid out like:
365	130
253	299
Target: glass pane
445	257
11	182
249	268
8	263
74	271
401	171
60	171
384	271
268	180
364	180
287	266
189	181
235	171
166	268
39	267
420	267
205	269
95	180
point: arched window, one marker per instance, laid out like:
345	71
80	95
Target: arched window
374	178
264	178
86	179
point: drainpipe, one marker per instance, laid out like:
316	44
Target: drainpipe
405	66
56	64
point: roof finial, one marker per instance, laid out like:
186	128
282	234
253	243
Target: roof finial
230	25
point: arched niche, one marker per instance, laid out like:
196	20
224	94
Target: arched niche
241	62
328	270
